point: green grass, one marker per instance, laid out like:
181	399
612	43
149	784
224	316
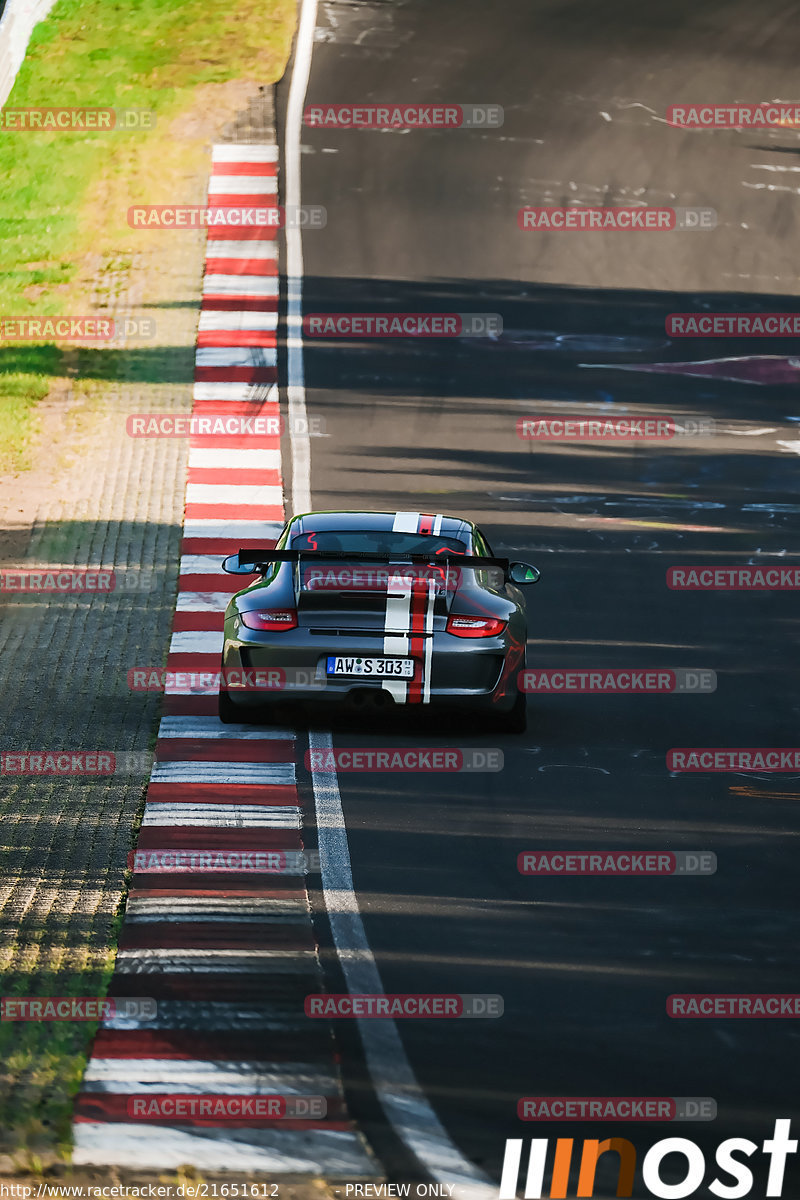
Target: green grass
64	195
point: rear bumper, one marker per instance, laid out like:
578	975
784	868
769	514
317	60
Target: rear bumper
458	672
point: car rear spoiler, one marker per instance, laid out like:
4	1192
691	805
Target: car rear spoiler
260	559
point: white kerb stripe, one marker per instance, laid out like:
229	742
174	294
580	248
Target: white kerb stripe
257	393
245	1075
229	493
203	601
197	641
221	816
221	962
247	250
242	185
153	908
231	527
237	321
327	1153
240	285
223	772
210	727
201	564
235	458
224	152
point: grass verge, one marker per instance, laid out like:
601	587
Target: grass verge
64	196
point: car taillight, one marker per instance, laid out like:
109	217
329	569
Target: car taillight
273	618
475	627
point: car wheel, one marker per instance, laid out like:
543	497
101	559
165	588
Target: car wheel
516	719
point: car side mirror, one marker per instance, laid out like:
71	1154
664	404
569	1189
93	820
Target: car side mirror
233	566
520	572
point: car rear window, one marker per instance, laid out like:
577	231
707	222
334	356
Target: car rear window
381	541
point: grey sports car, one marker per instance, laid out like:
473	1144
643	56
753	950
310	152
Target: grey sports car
376	608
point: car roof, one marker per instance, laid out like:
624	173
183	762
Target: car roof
405	522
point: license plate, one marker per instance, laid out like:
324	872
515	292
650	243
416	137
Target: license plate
381	668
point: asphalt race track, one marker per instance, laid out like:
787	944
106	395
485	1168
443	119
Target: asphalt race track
426	221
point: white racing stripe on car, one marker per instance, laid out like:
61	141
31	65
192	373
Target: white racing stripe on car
406	522
428	645
236	356
398	616
240	285
211	727
223	772
235	458
242	185
437	524
322	1153
238	816
233	493
237	391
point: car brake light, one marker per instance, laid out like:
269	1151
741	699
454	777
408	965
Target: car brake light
273	618
475	627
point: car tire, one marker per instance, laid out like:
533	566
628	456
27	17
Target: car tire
516	719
